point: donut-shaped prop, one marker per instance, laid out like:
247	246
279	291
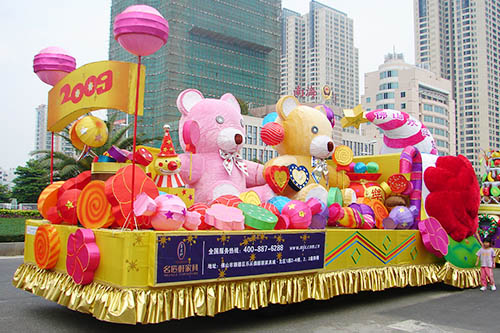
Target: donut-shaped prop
93	208
47	246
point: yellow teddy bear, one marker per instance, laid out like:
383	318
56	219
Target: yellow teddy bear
302	135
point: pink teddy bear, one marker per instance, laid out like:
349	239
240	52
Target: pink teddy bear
211	131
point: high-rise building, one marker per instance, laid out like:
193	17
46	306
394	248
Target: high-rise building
317	50
214	46
419	92
43	138
460	41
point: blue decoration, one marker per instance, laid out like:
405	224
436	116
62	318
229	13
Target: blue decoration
279	202
269	118
360	167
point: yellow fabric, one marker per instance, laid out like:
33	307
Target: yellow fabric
497	255
154	305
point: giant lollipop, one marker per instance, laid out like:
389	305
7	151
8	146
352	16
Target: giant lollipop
92	131
142	31
52	64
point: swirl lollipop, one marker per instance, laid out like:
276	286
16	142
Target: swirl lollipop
47	246
93	208
343	155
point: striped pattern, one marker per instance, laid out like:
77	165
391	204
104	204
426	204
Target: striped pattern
411	161
174	180
47	246
357	238
93	208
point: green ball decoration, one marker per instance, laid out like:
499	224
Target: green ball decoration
372	167
463	254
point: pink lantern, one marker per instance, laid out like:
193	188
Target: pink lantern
52	64
141	30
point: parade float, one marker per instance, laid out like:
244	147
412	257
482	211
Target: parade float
153	234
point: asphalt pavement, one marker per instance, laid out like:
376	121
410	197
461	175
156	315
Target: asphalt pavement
434	308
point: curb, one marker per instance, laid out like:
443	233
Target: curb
12	249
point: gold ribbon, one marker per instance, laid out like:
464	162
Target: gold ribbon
154	305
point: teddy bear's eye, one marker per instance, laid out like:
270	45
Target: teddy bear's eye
314	129
219	119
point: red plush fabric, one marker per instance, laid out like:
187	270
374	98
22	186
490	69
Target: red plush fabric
454	196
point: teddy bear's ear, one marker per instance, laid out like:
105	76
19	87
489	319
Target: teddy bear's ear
187	99
232	100
285	105
321	108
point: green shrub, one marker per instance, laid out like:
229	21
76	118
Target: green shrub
34	214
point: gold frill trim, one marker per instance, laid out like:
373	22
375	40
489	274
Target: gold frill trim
154	305
497	255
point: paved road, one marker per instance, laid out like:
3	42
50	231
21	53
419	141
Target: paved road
436	308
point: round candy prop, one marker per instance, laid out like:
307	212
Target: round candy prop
141	30
279	202
372	167
48	198
360	167
52	64
201	208
93	208
398	183
143	157
298	213
379	210
272	134
225	218
47	246
92	131
66	204
228	200
343	155
257	217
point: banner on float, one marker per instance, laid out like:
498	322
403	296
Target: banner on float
98	85
197	257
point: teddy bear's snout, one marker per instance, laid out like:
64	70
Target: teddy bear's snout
238	139
330	146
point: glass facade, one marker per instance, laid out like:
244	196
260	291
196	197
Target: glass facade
214	46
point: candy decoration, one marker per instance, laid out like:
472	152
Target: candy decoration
225	218
93	208
277	177
66	204
400	217
92	131
463	254
351	166
82	180
299	177
75	140
257	217
250	197
298	213
319	219
386	188
192	221
52	64
228	200
201	209
47	246
190	135
272	134
495	191
282	222
348	196
141	30
434	237
279	202
372	167
334	196
398	183
360	167
118	154
143	157
118	192
379	210
343	155
167	211
53	215
48	198
83	256
411	161
270	117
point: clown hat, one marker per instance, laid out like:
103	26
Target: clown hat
167	146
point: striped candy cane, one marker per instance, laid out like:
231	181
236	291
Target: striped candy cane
411	161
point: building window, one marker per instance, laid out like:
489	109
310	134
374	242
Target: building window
403	105
368	100
403	94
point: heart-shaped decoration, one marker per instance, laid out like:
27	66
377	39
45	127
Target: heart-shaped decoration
299	176
277	177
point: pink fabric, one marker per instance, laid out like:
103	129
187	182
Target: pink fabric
404	142
487	275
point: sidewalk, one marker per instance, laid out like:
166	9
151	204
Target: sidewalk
11	249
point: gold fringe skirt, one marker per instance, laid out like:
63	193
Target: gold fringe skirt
154	305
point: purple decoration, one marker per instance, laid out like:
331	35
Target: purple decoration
118	154
319	220
363	209
400	217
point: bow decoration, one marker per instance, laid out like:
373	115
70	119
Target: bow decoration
320	169
230	159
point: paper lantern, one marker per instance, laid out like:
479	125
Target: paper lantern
92	131
141	30
52	64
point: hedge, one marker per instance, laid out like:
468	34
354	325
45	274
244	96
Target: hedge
35	214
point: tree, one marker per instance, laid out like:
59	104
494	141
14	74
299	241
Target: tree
68	166
30	181
243	106
5	193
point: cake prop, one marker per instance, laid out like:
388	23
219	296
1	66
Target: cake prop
434	237
217	168
305	146
257	217
400	131
93	208
167	164
47	246
225	218
83	256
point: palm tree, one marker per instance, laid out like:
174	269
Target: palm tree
67	166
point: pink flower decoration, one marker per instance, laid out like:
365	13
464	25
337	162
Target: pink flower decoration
434	237
83	256
225	218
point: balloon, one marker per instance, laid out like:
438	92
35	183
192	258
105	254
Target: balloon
52	64
92	131
141	30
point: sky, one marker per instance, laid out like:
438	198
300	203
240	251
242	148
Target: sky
82	29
